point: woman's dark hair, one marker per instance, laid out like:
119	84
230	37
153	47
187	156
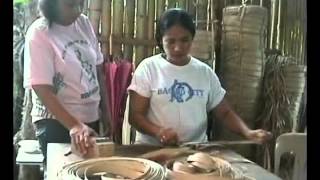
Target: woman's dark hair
173	17
49	9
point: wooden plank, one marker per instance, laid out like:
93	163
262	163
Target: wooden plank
129	28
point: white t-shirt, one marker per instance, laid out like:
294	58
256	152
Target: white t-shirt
180	96
66	58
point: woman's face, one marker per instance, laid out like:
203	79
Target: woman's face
177	42
69	11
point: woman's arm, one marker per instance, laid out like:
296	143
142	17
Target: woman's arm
105	110
138	109
224	113
79	132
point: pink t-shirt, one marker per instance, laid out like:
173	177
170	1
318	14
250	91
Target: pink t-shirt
66	58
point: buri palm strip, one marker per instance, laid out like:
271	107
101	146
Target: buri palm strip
113	168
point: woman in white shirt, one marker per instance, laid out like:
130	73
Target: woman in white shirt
171	93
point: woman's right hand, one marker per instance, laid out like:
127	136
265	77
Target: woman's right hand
80	137
168	136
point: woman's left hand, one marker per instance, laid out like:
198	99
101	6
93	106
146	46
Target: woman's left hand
259	135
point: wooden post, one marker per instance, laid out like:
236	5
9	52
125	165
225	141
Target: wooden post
129	27
106	27
151	20
117	27
94	14
141	30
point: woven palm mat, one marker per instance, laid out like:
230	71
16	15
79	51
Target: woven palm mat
113	168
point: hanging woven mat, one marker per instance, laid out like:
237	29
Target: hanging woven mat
113	168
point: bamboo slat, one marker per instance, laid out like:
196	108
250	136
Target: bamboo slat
129	28
151	20
117	26
94	14
106	27
141	30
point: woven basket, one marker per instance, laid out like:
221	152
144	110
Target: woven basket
294	78
243	57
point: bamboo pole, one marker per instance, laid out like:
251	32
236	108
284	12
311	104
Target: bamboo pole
129	27
192	8
85	7
106	27
278	45
94	14
290	27
141	30
117	26
171	4
151	20
209	17
274	20
160	7
285	28
202	14
304	30
182	4
295	31
213	18
217	11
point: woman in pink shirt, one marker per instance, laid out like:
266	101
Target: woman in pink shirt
63	68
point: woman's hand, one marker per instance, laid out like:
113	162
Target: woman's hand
168	136
80	137
259	135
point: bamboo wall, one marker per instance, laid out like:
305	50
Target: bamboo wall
126	27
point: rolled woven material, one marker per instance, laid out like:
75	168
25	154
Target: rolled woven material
113	168
242	63
243	57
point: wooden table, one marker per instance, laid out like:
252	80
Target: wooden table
56	159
